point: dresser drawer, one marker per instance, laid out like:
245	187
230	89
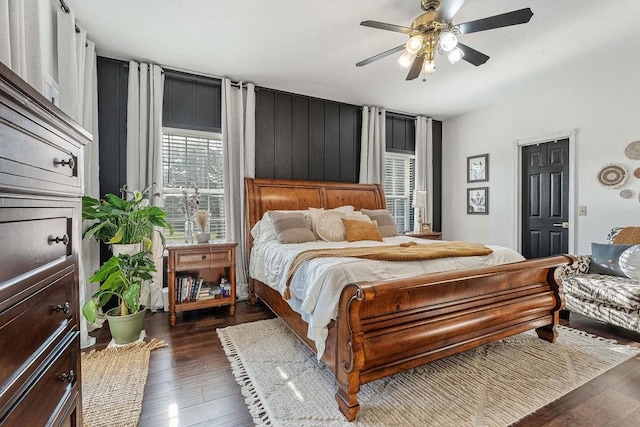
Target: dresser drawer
33	327
35	158
35	236
203	259
58	383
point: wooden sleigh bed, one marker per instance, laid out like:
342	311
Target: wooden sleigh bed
386	327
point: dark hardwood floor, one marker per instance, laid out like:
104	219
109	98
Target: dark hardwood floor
190	382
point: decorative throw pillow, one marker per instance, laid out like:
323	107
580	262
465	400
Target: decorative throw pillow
358	216
314	214
291	227
630	262
627	236
266	232
605	259
330	227
386	224
361	230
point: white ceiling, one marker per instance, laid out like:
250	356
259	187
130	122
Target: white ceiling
311	47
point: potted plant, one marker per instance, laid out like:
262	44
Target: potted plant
122	220
128	221
121	276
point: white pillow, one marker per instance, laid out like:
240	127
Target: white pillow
358	216
330	227
266	230
315	213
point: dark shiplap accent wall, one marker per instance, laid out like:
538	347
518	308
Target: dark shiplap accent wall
191	102
436	221
400	133
113	84
299	137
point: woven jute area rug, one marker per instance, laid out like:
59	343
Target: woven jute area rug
493	385
113	382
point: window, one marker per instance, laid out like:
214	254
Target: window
193	159
399	174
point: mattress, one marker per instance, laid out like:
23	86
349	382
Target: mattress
316	286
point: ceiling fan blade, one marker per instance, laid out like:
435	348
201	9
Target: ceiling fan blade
447	9
416	68
516	17
388	27
472	56
380	55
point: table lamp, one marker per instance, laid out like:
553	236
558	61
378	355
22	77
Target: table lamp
420	202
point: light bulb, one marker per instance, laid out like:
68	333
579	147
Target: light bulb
448	41
414	44
429	66
455	55
405	60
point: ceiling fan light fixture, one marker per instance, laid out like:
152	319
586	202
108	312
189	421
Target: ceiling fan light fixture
429	66
455	55
414	44
448	41
405	60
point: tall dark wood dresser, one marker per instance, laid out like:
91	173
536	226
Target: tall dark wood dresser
41	157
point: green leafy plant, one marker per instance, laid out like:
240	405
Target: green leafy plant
121	276
124	220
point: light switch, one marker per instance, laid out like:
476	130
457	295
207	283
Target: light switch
582	210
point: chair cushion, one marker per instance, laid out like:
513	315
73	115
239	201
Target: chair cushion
623	317
605	259
613	290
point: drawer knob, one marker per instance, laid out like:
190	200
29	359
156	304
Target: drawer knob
68	377
64	239
204	257
65	308
71	162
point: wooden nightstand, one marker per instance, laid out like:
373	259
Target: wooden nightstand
209	261
430	235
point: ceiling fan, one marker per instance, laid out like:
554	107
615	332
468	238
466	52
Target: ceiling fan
434	32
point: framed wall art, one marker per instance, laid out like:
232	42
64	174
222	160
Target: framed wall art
478	201
478	168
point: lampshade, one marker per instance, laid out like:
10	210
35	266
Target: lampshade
419	198
448	41
414	44
405	60
455	55
429	66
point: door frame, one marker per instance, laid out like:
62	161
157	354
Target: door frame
517	190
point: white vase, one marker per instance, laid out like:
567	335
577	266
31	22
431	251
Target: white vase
128	249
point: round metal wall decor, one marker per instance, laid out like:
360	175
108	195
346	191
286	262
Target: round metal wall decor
633	150
627	194
636	173
614	175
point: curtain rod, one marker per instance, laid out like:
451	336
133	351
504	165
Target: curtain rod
197	74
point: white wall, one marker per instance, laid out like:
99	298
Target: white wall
600	98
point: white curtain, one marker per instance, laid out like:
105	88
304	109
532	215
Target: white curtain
238	134
20	39
144	155
373	145
77	73
424	164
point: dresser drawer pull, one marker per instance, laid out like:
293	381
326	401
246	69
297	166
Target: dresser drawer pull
65	308
204	257
71	162
64	239
71	376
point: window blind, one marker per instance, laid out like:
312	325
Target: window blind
399	183
190	161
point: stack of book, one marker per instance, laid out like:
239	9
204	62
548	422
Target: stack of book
187	288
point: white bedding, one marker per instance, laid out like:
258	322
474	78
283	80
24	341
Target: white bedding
316	286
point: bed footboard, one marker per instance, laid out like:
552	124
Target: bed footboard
390	326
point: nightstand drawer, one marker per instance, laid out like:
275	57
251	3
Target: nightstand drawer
203	259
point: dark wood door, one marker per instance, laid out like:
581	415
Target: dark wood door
545	199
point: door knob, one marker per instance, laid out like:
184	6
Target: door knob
561	224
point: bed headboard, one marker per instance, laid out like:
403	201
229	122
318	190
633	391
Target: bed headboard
280	194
